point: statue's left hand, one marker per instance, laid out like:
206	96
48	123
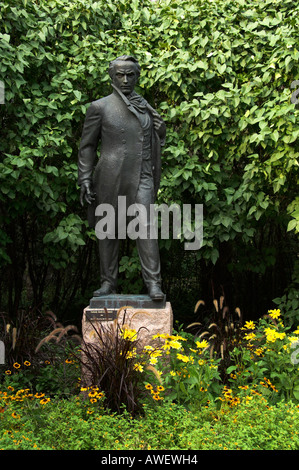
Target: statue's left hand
159	124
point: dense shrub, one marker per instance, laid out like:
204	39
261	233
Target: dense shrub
220	73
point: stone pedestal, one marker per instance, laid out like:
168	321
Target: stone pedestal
138	313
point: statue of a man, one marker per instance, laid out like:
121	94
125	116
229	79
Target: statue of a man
131	134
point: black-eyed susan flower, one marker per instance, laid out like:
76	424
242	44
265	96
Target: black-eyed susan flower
44	401
27	363
17	365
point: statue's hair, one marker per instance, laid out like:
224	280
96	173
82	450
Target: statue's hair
124	58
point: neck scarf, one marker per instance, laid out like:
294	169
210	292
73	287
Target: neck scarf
137	101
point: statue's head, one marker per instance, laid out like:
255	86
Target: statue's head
124	73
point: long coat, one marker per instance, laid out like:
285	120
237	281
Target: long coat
113	121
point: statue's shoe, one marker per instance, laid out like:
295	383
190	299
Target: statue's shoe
105	289
155	292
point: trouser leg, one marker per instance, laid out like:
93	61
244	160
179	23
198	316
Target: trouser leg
148	248
150	261
108	249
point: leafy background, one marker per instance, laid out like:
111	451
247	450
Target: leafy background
220	73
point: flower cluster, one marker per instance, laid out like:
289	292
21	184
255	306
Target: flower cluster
128	334
20	396
170	341
272	333
267	384
155	393
93	392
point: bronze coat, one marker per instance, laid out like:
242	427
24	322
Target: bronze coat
113	121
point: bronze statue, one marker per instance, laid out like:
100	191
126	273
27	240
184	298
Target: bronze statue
131	134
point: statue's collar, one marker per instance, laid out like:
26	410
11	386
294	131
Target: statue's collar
135	100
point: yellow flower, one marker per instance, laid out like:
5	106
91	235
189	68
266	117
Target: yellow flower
27	363
161	335
138	367
272	335
131	354
249	325
129	334
17	365
148	386
156	396
160	388
183	357
249	336
175	344
202	344
156	353
274	313
259	351
153	361
8	372
44	401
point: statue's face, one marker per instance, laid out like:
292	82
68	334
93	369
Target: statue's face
125	77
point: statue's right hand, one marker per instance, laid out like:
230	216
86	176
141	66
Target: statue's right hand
86	193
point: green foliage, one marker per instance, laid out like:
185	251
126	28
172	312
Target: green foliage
131	282
220	72
76	424
190	377
267	360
